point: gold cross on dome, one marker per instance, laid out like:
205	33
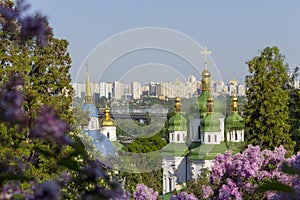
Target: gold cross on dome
205	52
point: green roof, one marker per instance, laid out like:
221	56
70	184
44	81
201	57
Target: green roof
202	101
177	123
211	123
234	121
175	149
210	151
207	151
218	106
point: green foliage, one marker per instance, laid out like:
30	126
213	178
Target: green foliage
195	186
81	117
47	81
294	109
152	179
267	107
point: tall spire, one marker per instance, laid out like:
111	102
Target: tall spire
88	92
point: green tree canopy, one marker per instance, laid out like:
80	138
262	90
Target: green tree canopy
267	107
45	71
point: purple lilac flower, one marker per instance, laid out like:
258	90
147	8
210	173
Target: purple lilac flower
48	190
224	192
93	171
47	124
207	191
234	174
184	196
9	190
30	26
115	193
144	193
11	100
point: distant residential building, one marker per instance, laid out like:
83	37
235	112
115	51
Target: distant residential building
241	90
136	90
118	90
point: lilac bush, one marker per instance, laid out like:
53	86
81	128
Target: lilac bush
144	193
236	176
48	125
31	27
11	100
77	175
184	196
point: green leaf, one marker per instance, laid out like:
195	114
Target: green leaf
275	186
69	162
290	170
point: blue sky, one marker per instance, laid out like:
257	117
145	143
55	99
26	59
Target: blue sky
234	31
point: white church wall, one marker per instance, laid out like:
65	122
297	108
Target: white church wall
174	172
109	132
194	130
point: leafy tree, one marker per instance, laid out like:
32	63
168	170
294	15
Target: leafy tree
81	117
43	64
267	107
152	179
294	109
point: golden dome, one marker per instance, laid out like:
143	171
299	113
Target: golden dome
210	104
177	105
106	120
205	73
234	104
206	82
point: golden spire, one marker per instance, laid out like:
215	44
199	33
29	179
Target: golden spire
88	92
206	82
106	120
234	103
177	106
210	104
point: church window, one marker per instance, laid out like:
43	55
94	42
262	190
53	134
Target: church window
209	138
107	134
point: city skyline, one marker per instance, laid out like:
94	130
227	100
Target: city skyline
166	89
235	32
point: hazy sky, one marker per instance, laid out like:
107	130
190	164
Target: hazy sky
234	31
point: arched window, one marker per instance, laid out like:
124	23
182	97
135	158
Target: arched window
178	137
236	135
107	134
215	138
172	136
170	184
208	138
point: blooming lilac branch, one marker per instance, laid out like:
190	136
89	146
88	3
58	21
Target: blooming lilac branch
30	27
144	193
11	100
48	125
184	196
